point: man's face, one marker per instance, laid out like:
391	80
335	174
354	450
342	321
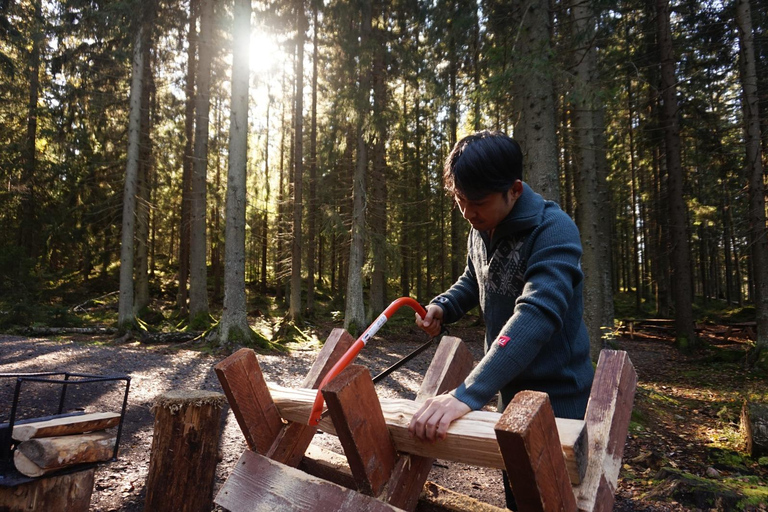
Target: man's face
487	212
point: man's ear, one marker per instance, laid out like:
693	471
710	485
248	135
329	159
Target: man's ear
516	189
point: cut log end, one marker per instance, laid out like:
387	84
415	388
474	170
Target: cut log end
175	400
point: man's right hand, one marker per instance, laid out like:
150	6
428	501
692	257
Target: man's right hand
432	323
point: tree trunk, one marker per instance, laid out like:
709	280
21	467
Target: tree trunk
354	317
27	233
141	272
234	321
186	176
379	174
681	260
312	217
298	170
198	274
591	192
126	315
185	446
534	97
757	219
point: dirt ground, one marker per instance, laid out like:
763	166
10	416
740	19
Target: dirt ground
120	485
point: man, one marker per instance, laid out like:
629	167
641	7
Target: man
523	269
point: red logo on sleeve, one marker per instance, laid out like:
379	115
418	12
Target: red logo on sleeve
503	340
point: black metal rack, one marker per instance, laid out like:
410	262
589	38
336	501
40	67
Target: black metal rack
8	473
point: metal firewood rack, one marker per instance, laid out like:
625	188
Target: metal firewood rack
9	476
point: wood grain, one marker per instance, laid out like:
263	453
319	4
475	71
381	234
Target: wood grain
38	457
71	492
607	418
248	396
294	438
449	367
361	428
528	441
470	439
66	426
258	484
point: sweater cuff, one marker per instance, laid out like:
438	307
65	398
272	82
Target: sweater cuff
472	399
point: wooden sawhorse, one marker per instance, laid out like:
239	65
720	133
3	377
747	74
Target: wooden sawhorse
553	464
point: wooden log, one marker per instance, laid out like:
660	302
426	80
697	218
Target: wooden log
435	498
754	426
470	439
244	386
66	425
607	418
38	457
260	484
294	438
450	366
362	430
185	446
70	492
534	460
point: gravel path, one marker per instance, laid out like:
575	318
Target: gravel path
154	370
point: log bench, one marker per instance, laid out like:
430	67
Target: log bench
553	464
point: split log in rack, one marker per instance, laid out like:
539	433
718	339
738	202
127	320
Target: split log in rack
553	464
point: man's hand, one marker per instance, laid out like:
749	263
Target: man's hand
432	420
433	321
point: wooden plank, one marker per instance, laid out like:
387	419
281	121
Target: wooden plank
294	438
534	460
362	430
607	418
66	426
248	396
38	457
333	467
470	439
258	484
450	366
70	492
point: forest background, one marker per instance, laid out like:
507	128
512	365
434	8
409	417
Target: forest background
214	160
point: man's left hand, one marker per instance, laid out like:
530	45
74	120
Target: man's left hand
433	418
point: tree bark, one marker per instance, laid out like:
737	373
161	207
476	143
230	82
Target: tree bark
234	321
354	317
126	315
378	202
27	228
298	163
681	261
534	97
198	275
141	272
757	218
591	193
185	446
186	176
312	213
71	492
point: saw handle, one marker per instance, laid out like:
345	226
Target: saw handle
357	346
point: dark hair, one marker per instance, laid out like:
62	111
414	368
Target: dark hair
483	163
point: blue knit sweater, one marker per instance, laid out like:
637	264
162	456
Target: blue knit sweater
527	280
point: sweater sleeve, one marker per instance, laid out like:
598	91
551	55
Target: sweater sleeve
553	272
462	296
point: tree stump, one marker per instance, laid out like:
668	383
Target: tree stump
754	425
70	492
184	455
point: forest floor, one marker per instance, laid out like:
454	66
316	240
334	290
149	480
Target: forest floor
684	451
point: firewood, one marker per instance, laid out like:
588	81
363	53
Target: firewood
66	426
38	457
